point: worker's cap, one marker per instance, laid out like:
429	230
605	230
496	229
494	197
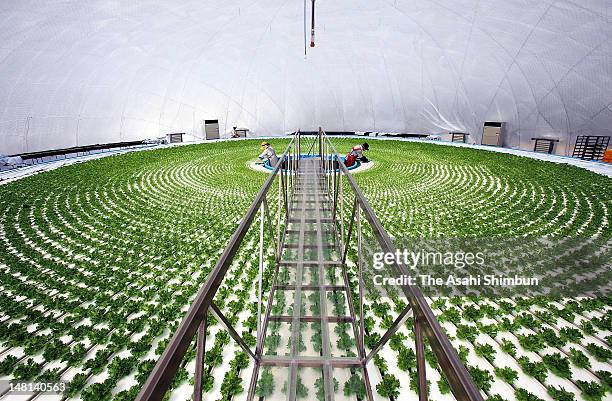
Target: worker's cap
365	146
265	143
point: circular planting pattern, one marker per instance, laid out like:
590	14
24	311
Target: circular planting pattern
101	260
521	349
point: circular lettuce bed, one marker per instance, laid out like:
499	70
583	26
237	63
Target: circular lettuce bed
421	189
100	260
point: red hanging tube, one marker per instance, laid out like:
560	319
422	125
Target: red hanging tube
312	25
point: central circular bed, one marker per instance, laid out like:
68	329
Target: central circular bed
354	166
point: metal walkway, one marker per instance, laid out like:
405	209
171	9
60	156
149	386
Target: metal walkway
320	331
310	339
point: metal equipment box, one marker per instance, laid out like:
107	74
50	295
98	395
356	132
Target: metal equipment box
176	137
492	133
211	129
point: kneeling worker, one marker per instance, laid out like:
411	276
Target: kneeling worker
268	154
356	154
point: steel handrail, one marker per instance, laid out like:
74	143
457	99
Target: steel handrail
160	379
161	376
458	377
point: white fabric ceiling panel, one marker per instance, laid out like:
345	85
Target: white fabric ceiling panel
75	72
91	129
14	140
52	129
600	123
101	101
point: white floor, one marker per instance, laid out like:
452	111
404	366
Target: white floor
258	167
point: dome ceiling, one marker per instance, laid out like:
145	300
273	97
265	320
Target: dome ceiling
83	72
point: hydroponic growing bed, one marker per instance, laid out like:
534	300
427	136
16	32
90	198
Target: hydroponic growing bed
99	262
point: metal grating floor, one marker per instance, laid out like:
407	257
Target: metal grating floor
311	332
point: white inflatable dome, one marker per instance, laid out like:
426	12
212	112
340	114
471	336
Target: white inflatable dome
82	72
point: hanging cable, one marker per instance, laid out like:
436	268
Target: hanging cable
312	25
305	30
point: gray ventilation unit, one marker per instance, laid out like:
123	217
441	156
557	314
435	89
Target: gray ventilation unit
492	133
211	129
